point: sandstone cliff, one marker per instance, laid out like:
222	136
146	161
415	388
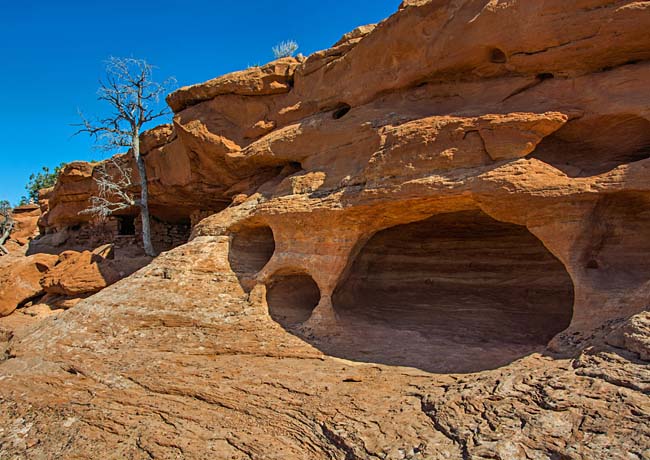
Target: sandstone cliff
429	241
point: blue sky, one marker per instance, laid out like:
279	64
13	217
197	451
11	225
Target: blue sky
52	54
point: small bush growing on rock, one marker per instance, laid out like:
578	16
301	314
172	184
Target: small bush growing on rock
285	49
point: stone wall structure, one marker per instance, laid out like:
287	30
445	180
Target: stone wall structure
124	230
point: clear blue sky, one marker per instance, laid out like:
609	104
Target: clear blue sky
52	53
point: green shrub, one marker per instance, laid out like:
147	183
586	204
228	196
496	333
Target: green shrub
285	49
37	181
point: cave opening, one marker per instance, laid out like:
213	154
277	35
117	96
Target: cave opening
341	110
591	146
291	298
251	248
617	253
545	76
457	292
126	225
497	56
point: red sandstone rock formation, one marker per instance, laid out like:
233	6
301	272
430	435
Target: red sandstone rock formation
20	280
25	228
83	273
429	241
60	281
25	224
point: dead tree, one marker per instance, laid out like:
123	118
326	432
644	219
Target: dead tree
113	190
133	96
6	227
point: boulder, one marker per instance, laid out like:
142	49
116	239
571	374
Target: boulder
26	223
272	78
633	335
80	273
20	281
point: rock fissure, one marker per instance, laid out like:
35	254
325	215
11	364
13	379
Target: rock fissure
430	411
561	45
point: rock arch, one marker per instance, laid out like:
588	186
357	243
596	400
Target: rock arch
291	298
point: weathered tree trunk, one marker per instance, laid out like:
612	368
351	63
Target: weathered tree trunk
8	226
144	198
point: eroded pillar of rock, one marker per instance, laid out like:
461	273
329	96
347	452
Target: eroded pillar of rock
317	246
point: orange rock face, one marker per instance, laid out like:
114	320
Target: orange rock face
80	273
25	228
428	242
25	219
20	280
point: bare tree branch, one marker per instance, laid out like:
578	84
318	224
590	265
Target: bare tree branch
113	190
133	96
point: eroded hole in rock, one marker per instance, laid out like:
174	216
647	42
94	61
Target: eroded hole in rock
497	56
250	249
545	76
591	146
457	292
294	166
617	254
292	298
341	111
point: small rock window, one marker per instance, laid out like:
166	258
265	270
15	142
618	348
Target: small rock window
126	225
341	111
292	298
545	76
497	56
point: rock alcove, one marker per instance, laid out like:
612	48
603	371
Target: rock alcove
457	292
250	250
291	298
595	145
